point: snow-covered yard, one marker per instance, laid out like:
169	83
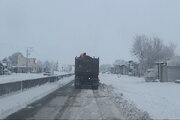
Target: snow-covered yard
14	102
24	76
160	100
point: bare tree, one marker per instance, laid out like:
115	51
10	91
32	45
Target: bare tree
39	66
47	66
151	50
56	66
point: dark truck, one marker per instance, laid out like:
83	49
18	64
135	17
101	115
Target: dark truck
86	72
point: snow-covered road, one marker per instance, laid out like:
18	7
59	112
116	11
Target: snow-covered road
160	100
70	103
117	97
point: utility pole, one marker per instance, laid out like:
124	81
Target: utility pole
27	58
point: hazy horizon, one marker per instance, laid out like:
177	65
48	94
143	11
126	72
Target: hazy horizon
59	30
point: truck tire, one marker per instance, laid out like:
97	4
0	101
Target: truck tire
95	87
77	87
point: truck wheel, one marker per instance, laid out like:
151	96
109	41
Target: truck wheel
77	87
95	87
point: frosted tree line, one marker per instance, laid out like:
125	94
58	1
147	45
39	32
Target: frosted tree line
46	66
149	50
41	66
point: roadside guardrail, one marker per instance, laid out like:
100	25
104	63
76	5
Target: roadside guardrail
6	88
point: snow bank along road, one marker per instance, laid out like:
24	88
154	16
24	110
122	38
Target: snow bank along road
24	76
160	100
70	103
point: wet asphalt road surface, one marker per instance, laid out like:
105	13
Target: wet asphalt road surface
70	103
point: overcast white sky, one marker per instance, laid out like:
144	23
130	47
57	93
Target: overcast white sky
62	29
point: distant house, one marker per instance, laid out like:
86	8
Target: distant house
7	63
169	71
1	69
120	67
21	64
133	68
125	68
117	69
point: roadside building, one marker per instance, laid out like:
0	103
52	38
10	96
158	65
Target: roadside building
125	68
116	69
120	67
133	68
169	71
7	63
4	68
1	69
21	64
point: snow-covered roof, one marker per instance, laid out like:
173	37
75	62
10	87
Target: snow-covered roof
160	62
174	62
120	62
4	64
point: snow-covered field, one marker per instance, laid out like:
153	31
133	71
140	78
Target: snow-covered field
24	76
12	103
160	100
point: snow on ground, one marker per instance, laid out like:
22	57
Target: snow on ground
127	109
12	103
160	100
24	76
61	73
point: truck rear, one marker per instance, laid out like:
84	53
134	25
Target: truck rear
86	72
